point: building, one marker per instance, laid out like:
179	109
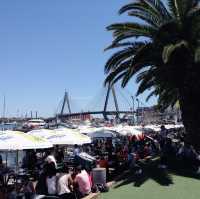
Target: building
148	115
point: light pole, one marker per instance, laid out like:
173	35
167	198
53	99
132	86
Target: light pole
138	110
133	108
36	114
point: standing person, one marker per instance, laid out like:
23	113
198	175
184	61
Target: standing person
50	158
2	166
76	152
1	160
163	136
82	181
59	155
51	180
28	188
64	184
32	160
163	131
41	186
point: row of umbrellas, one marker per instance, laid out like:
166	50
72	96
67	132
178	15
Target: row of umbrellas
44	138
40	139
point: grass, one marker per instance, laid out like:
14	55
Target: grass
155	185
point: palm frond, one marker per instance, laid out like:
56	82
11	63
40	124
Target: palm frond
149	19
120	56
116	71
130	29
180	8
153	7
152	93
119	45
169	49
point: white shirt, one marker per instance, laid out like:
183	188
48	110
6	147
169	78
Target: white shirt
51	185
63	185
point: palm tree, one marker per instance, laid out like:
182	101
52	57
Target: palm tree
162	48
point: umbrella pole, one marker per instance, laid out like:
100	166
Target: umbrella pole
17	162
17	169
6	159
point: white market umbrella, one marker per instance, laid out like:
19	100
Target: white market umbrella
179	126
155	128
101	133
87	129
62	136
16	140
128	130
67	136
133	131
44	133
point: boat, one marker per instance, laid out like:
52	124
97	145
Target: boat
35	123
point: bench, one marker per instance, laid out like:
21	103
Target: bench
93	196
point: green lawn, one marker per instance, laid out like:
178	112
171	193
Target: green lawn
170	187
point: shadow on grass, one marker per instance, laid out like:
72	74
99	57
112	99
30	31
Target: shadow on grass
185	173
160	176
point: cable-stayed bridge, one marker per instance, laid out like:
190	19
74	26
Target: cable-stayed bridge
110	101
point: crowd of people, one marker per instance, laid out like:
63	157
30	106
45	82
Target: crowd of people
173	150
63	183
124	153
59	183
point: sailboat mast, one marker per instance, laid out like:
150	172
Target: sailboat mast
4	111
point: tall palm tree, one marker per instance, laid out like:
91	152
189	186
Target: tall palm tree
162	47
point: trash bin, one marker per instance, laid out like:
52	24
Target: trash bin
99	176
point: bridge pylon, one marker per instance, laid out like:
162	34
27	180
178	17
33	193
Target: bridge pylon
110	88
66	100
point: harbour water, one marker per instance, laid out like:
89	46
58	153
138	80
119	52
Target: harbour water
8	126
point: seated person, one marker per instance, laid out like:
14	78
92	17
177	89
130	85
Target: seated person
103	163
147	150
64	184
82	182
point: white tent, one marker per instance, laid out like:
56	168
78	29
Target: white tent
44	133
16	140
69	137
62	136
87	129
157	128
128	130
101	133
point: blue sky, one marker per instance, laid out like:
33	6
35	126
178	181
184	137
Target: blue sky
47	46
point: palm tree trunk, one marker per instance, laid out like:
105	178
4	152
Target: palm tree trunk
190	108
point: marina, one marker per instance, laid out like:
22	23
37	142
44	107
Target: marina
93	105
